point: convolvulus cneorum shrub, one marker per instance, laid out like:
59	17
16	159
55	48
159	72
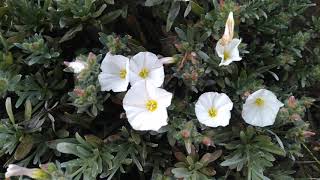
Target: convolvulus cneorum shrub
159	89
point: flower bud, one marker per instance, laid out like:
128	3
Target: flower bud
185	133
207	141
79	92
228	31
292	103
35	173
91	57
295	117
308	134
168	60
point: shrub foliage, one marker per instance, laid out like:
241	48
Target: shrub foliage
51	116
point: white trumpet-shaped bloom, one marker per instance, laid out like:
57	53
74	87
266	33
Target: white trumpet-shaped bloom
227	46
146	66
115	73
213	109
261	108
15	170
146	106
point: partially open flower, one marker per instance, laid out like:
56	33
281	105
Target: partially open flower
35	173
227	47
213	109
146	106
114	75
146	66
261	108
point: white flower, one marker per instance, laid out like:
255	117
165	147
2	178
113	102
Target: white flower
76	66
261	108
115	73
146	66
15	170
227	47
146	106
213	109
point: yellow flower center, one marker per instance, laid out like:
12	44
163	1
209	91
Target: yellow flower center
152	105
123	73
259	102
213	112
226	55
144	73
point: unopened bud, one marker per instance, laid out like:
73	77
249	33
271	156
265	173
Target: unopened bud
79	92
168	60
185	133
91	57
295	117
206	141
308	134
292	103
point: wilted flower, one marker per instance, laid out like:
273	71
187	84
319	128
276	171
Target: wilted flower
35	173
213	109
261	108
76	66
146	66
114	75
146	106
227	47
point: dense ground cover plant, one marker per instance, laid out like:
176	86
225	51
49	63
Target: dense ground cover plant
66	115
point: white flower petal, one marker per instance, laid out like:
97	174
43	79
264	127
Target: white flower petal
219	49
231	49
144	121
150	62
112	68
135	105
112	82
265	114
77	66
220	102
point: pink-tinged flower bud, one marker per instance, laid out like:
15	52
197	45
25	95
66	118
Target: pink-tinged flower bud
178	46
91	57
185	133
308	134
168	60
292	103
207	141
79	92
295	117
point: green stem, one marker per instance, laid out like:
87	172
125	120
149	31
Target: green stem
315	158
